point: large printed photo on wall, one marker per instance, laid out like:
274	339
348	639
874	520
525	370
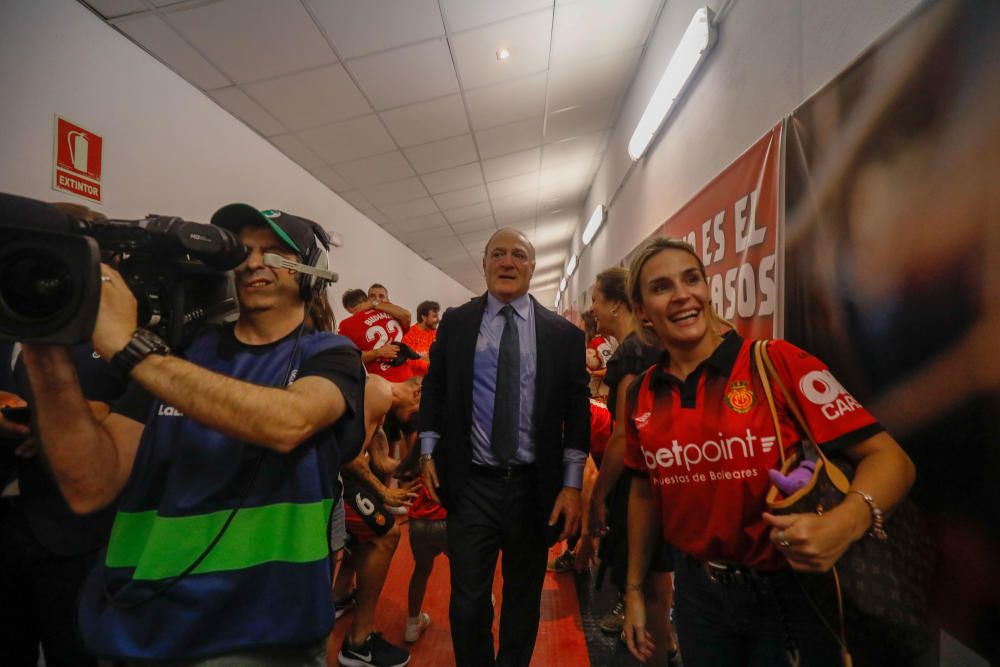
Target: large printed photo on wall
892	268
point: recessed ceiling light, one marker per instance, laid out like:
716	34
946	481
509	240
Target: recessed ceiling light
503	54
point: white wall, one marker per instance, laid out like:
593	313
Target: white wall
168	148
770	56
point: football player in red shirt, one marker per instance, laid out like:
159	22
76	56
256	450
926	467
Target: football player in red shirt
377	328
701	439
421	336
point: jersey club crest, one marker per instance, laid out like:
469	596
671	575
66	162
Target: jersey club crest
739	397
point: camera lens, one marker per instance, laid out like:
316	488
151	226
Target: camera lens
35	284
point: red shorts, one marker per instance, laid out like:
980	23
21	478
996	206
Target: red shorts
364	512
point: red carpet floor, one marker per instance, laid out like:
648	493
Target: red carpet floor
560	634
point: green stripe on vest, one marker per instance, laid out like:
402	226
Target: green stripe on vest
160	547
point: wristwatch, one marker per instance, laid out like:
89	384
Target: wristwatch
143	344
424	458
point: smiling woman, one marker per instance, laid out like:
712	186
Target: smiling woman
703	395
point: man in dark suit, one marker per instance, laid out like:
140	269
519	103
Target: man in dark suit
504	425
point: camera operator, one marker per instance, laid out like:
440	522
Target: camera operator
226	462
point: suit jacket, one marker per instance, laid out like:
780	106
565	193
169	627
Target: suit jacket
562	409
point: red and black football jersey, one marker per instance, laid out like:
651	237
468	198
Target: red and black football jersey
371	329
707	442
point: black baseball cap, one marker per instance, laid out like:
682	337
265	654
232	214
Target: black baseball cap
299	234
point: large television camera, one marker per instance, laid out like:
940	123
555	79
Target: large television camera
50	280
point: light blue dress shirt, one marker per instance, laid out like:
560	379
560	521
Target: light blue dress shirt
484	374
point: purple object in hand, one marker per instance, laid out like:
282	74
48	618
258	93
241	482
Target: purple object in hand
795	480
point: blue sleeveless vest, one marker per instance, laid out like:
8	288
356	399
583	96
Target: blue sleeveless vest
266	582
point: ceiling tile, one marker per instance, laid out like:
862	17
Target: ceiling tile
426	235
582	27
250	40
349	140
309	99
111	8
357	28
331	179
406	75
515	164
427	121
516	199
465	14
525	184
476	239
515	215
527	38
468	213
376	216
375	170
291	146
355	199
388	194
577	172
552	235
550	259
509	138
236	102
455	178
507	102
563	191
580	82
432	221
581	120
410	209
461	198
571	150
444	154
163	42
476	225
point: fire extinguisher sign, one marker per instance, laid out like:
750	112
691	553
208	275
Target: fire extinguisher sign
77	167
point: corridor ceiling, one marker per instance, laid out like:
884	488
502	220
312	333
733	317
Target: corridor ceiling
404	109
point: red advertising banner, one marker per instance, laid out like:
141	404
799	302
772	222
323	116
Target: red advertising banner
733	224
77	167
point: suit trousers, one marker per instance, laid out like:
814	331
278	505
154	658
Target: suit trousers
493	515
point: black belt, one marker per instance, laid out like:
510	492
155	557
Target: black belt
729	574
506	473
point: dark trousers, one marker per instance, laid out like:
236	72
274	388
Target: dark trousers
495	515
40	594
751	623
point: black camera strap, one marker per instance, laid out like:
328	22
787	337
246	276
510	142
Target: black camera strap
114	597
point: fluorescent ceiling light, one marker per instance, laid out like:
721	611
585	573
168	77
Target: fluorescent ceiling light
696	42
503	54
562	285
594	224
571	266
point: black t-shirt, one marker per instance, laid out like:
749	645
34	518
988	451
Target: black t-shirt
631	358
338	365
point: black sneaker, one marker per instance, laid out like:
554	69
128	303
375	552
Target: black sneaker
374	652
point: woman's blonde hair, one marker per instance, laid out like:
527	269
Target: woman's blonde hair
649	249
